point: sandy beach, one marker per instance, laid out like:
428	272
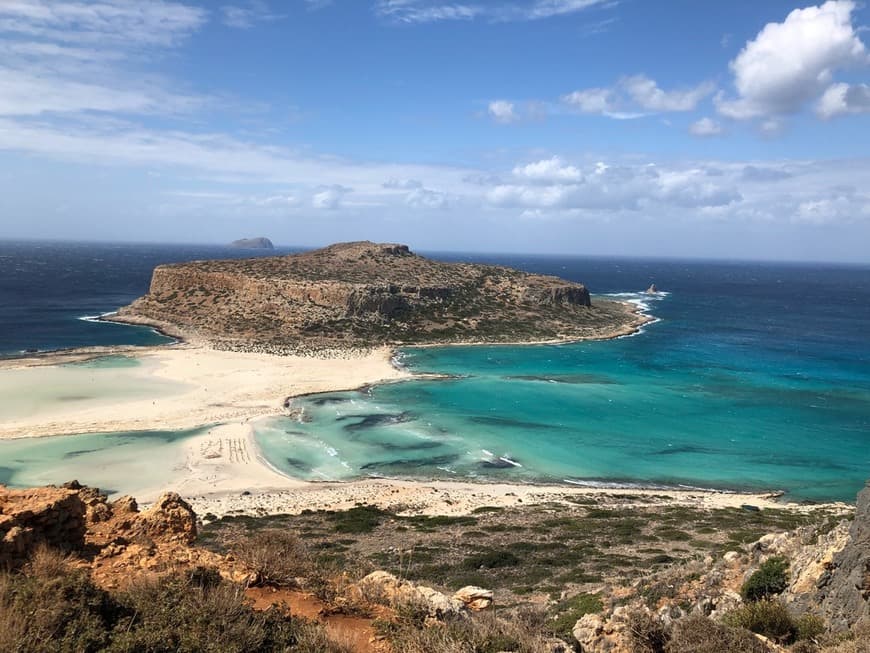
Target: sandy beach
222	471
201	386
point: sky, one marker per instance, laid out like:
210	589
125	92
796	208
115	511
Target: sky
672	128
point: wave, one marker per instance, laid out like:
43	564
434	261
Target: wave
638	485
95	318
643	302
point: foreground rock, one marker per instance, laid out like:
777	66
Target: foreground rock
386	588
360	294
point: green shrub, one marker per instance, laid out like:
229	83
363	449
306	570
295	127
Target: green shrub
572	609
808	627
768	618
770	579
491	560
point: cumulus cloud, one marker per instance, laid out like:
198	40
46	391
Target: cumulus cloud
842	99
705	127
635	96
837	208
552	170
790	63
329	198
551	184
402	184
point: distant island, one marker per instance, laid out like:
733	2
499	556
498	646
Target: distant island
253	243
363	294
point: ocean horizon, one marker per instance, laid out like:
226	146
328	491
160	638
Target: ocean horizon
753	376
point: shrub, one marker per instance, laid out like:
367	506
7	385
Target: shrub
49	607
572	609
646	633
491	560
768	618
698	634
275	556
770	579
808	627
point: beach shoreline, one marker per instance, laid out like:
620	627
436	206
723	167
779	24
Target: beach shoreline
224	471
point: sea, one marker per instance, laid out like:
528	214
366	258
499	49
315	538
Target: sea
753	376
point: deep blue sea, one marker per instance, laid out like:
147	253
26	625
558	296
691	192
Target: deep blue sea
755	376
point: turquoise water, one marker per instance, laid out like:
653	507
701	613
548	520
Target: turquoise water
742	385
117	463
757	376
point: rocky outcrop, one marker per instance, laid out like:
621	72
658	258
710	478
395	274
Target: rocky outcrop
31	517
844	590
253	243
360	294
384	587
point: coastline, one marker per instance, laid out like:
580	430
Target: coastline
224	471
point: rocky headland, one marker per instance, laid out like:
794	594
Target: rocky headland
363	293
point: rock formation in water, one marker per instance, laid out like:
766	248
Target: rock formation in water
361	294
253	243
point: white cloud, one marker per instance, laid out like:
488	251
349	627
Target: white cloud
548	171
430	11
102	23
329	198
646	93
634	97
838	208
842	99
425	198
402	184
788	64
68	57
551	184
705	127
248	15
502	111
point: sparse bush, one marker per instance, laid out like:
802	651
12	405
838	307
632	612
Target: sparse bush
275	556
646	633
482	633
697	634
770	579
808	627
768	618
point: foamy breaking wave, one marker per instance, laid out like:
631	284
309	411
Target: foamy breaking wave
644	302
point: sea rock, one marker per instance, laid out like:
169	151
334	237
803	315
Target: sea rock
652	290
253	243
474	598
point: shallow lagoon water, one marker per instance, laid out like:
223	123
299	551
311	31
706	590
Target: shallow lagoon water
43	390
117	463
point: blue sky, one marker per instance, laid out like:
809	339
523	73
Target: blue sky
612	127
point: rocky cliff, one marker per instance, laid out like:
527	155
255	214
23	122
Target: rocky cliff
359	294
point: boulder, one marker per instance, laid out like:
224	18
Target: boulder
474	598
394	591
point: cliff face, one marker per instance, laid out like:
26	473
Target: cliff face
367	293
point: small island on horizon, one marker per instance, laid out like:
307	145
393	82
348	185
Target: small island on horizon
362	293
253	243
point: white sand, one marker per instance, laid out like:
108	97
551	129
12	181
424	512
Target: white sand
209	387
223	472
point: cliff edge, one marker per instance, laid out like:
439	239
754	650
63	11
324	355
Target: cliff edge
362	294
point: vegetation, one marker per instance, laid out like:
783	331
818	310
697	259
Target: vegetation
770	579
50	607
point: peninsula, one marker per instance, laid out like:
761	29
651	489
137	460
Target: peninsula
364	294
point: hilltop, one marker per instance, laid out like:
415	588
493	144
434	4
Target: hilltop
363	293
